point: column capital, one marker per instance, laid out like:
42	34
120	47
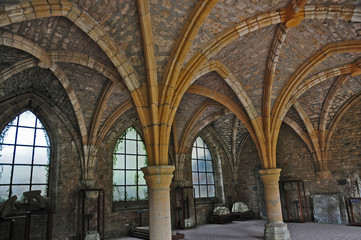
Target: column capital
270	171
270	176
158	177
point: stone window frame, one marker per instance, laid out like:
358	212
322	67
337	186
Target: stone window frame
127	205
15	144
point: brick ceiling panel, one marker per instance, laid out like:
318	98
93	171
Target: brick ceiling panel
87	84
215	82
224	127
58	33
247	58
10	56
304	41
313	99
168	18
188	106
227	13
351	87
43	83
210	111
120	19
293	114
116	99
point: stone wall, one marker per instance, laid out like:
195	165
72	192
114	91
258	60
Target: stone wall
296	162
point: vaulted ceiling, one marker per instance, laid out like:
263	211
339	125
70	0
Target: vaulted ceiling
198	61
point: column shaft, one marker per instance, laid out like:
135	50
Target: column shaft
158	179
275	229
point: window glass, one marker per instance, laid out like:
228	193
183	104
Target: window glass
129	157
23	165
202	170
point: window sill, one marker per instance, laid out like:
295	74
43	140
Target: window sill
129	206
203	201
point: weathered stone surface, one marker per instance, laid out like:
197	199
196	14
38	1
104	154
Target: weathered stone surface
313	100
326	208
304	41
250	53
10	56
59	33
168	18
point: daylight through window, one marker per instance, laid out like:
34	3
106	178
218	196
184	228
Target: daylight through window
129	157
202	170
24	157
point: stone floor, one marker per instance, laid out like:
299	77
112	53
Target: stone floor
253	230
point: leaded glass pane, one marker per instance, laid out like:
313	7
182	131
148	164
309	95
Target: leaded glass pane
211	191
131	134
8	135
6	154
200	152
141	179
41	155
203	191
141	148
131	178
196	191
209	166
202	165
5	174
118	193
199	142
41	138
210	178
23	155
195	178
143	193
27	119
131	147
40	174
118	161
194	165
42	188
21	175
207	154
131	162
202	178
18	190
120	147
131	193
118	177
4	193
25	136
142	161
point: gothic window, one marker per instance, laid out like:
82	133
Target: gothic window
24	157
202	170
129	157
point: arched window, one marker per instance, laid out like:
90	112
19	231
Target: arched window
24	157
129	157
202	170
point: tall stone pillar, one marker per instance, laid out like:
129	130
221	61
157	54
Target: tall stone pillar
158	179
275	228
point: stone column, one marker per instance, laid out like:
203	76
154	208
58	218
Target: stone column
275	228
158	179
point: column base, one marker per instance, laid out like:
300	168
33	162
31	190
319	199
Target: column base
276	231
